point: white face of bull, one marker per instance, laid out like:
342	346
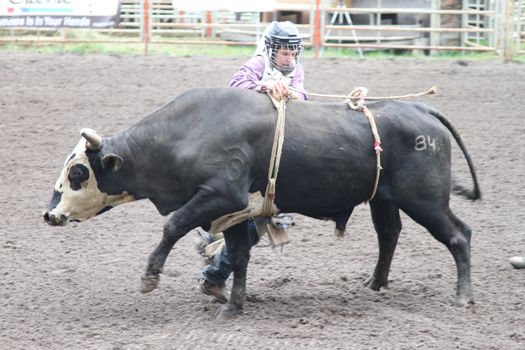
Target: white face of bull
77	196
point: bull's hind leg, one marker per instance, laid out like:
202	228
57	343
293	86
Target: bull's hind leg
388	226
455	235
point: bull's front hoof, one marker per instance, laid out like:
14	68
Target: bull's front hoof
374	284
229	312
149	283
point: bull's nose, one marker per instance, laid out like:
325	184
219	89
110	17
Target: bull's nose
54	220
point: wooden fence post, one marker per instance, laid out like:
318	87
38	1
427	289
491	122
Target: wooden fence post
508	21
145	28
209	20
317	29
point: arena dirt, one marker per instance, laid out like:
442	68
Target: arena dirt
77	287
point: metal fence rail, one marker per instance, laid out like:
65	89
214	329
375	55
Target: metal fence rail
484	25
518	14
384	39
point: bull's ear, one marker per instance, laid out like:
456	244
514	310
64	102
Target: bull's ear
112	162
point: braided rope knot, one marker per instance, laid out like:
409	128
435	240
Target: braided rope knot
358	94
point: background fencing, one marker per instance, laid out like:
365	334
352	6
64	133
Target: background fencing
436	25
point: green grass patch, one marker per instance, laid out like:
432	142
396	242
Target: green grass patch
520	58
385	54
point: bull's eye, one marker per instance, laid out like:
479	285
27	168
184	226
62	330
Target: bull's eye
77	175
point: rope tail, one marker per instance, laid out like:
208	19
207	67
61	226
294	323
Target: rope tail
472	194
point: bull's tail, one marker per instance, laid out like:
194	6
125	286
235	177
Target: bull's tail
474	193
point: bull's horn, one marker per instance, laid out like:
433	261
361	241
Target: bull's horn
94	140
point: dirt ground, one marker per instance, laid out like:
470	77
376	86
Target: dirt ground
77	287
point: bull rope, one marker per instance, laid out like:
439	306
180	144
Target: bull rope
275	160
351	96
358	94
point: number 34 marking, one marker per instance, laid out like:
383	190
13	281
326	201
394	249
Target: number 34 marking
425	141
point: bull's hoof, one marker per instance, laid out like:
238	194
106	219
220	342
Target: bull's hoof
149	283
372	283
229	312
463	301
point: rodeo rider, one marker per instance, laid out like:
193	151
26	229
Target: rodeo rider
274	68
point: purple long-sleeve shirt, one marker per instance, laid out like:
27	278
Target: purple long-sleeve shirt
251	73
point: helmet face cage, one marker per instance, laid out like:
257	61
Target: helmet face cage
289	45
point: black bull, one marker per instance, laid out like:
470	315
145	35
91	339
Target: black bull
201	156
